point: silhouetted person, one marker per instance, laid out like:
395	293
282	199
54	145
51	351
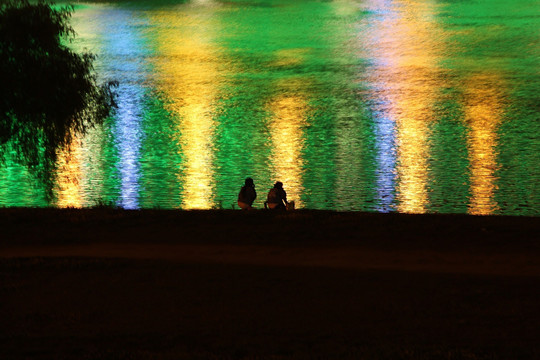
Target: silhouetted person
277	197
247	195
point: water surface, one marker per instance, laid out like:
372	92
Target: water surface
375	105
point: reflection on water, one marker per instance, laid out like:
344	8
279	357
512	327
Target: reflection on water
405	47
127	132
125	40
379	105
69	174
483	110
188	77
286	131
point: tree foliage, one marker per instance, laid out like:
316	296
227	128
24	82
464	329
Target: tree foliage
48	92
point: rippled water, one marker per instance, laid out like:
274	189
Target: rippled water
375	105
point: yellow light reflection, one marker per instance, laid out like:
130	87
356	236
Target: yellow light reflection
286	130
69	176
413	168
406	47
189	78
482	114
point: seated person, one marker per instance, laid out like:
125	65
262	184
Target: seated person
247	195
277	197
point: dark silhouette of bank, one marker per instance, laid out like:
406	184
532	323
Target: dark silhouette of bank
277	198
49	93
247	195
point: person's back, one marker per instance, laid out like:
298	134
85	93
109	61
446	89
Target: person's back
247	195
273	196
277	197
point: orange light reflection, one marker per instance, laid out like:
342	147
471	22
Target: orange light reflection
189	77
286	130
69	176
483	114
406	46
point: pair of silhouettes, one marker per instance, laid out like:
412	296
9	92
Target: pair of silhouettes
276	199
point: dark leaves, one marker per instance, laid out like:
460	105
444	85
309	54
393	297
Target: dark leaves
48	92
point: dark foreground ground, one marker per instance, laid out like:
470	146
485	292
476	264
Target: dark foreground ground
111	284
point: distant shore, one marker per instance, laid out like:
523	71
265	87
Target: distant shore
222	284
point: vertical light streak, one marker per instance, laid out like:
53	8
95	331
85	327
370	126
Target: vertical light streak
483	115
286	130
374	44
412	152
197	129
128	119
386	158
127	131
69	175
120	41
189	77
404	48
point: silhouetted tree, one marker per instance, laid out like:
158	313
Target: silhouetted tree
48	92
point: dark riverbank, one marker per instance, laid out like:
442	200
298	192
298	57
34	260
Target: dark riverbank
307	284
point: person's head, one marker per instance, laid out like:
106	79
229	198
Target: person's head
278	185
249	182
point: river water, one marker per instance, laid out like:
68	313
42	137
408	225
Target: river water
371	105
